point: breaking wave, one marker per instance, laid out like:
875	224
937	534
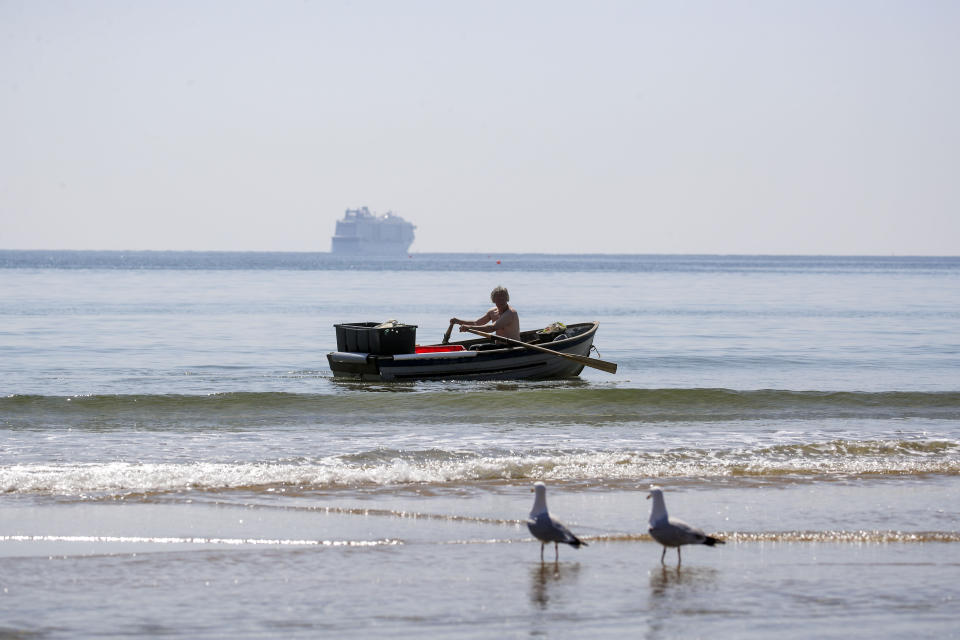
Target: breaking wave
438	467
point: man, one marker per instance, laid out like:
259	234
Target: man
502	320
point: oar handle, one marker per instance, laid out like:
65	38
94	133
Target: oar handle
446	336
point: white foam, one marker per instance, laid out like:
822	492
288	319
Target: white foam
121	478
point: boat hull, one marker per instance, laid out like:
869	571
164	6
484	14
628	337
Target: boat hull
478	361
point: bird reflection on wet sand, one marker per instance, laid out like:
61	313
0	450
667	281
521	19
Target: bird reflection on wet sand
678	582
544	577
679	593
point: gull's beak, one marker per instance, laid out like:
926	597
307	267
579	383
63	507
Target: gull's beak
648	496
532	489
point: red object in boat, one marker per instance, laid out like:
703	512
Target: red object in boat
440	348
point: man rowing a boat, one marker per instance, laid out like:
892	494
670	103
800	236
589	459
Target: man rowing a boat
502	319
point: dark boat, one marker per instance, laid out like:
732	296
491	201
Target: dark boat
478	359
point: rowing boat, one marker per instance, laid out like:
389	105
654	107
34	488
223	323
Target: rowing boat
477	359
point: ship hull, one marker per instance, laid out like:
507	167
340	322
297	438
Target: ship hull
360	247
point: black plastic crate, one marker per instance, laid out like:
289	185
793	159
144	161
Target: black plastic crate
365	337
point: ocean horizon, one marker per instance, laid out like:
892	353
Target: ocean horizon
454	261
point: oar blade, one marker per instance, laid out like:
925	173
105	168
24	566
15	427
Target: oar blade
596	363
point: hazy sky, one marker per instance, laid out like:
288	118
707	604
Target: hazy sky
612	127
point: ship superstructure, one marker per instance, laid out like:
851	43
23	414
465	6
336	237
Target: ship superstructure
361	232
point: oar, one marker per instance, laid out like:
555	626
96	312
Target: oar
596	363
446	336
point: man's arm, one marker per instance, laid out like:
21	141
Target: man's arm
499	323
478	322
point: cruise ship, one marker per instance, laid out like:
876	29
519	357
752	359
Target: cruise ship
364	233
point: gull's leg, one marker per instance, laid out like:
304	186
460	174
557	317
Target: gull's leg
556	552
678	556
662	555
541	551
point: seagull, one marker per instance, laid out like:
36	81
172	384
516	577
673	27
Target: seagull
671	532
546	529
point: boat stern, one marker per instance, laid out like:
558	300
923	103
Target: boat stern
355	366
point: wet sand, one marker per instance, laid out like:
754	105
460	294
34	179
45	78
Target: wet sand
461	563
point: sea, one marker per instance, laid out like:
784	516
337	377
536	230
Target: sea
177	459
